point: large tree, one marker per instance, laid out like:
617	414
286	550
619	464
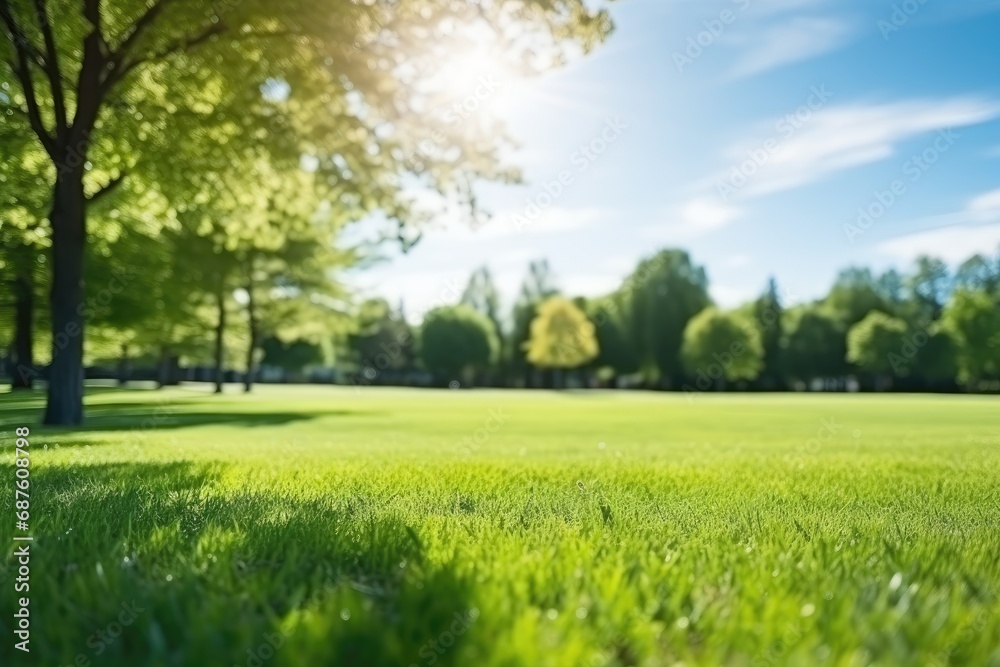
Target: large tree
457	341
972	317
872	342
23	239
814	345
344	81
931	285
854	294
538	285
767	313
721	346
663	294
561	336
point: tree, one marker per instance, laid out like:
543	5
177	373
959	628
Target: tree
814	345
854	294
927	354
382	341
615	354
767	312
721	346
561	336
663	294
979	273
98	82
972	317
293	356
931	284
890	286
538	286
457	341
23	240
872	342
481	295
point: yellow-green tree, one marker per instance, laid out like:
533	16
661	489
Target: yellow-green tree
561	336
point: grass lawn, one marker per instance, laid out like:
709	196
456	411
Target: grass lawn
401	527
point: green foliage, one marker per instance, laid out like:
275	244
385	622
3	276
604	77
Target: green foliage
292	356
722	345
767	313
814	345
930	285
663	294
872	341
615	353
854	294
455	340
972	317
538	285
383	340
561	336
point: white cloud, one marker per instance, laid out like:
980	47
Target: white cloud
793	41
728	296
696	218
834	139
952	244
707	214
988	202
974	230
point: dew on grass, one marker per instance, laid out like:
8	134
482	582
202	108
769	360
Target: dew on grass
345	614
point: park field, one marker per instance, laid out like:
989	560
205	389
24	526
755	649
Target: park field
315	526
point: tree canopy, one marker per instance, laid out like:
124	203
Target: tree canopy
561	336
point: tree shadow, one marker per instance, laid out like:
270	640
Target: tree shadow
221	572
17	409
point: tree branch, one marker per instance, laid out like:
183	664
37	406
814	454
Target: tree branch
142	24
52	66
111	186
22	47
88	88
177	46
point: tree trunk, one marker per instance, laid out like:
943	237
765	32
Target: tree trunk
124	366
220	331
22	362
65	394
162	372
248	379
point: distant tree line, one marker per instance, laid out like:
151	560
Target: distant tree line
214	305
928	330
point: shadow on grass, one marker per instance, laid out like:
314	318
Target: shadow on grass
26	408
224	573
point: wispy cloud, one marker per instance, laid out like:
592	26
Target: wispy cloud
952	244
698	217
792	41
839	138
976	229
515	222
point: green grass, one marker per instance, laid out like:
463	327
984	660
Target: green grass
582	529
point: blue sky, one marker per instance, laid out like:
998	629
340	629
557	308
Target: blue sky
750	132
